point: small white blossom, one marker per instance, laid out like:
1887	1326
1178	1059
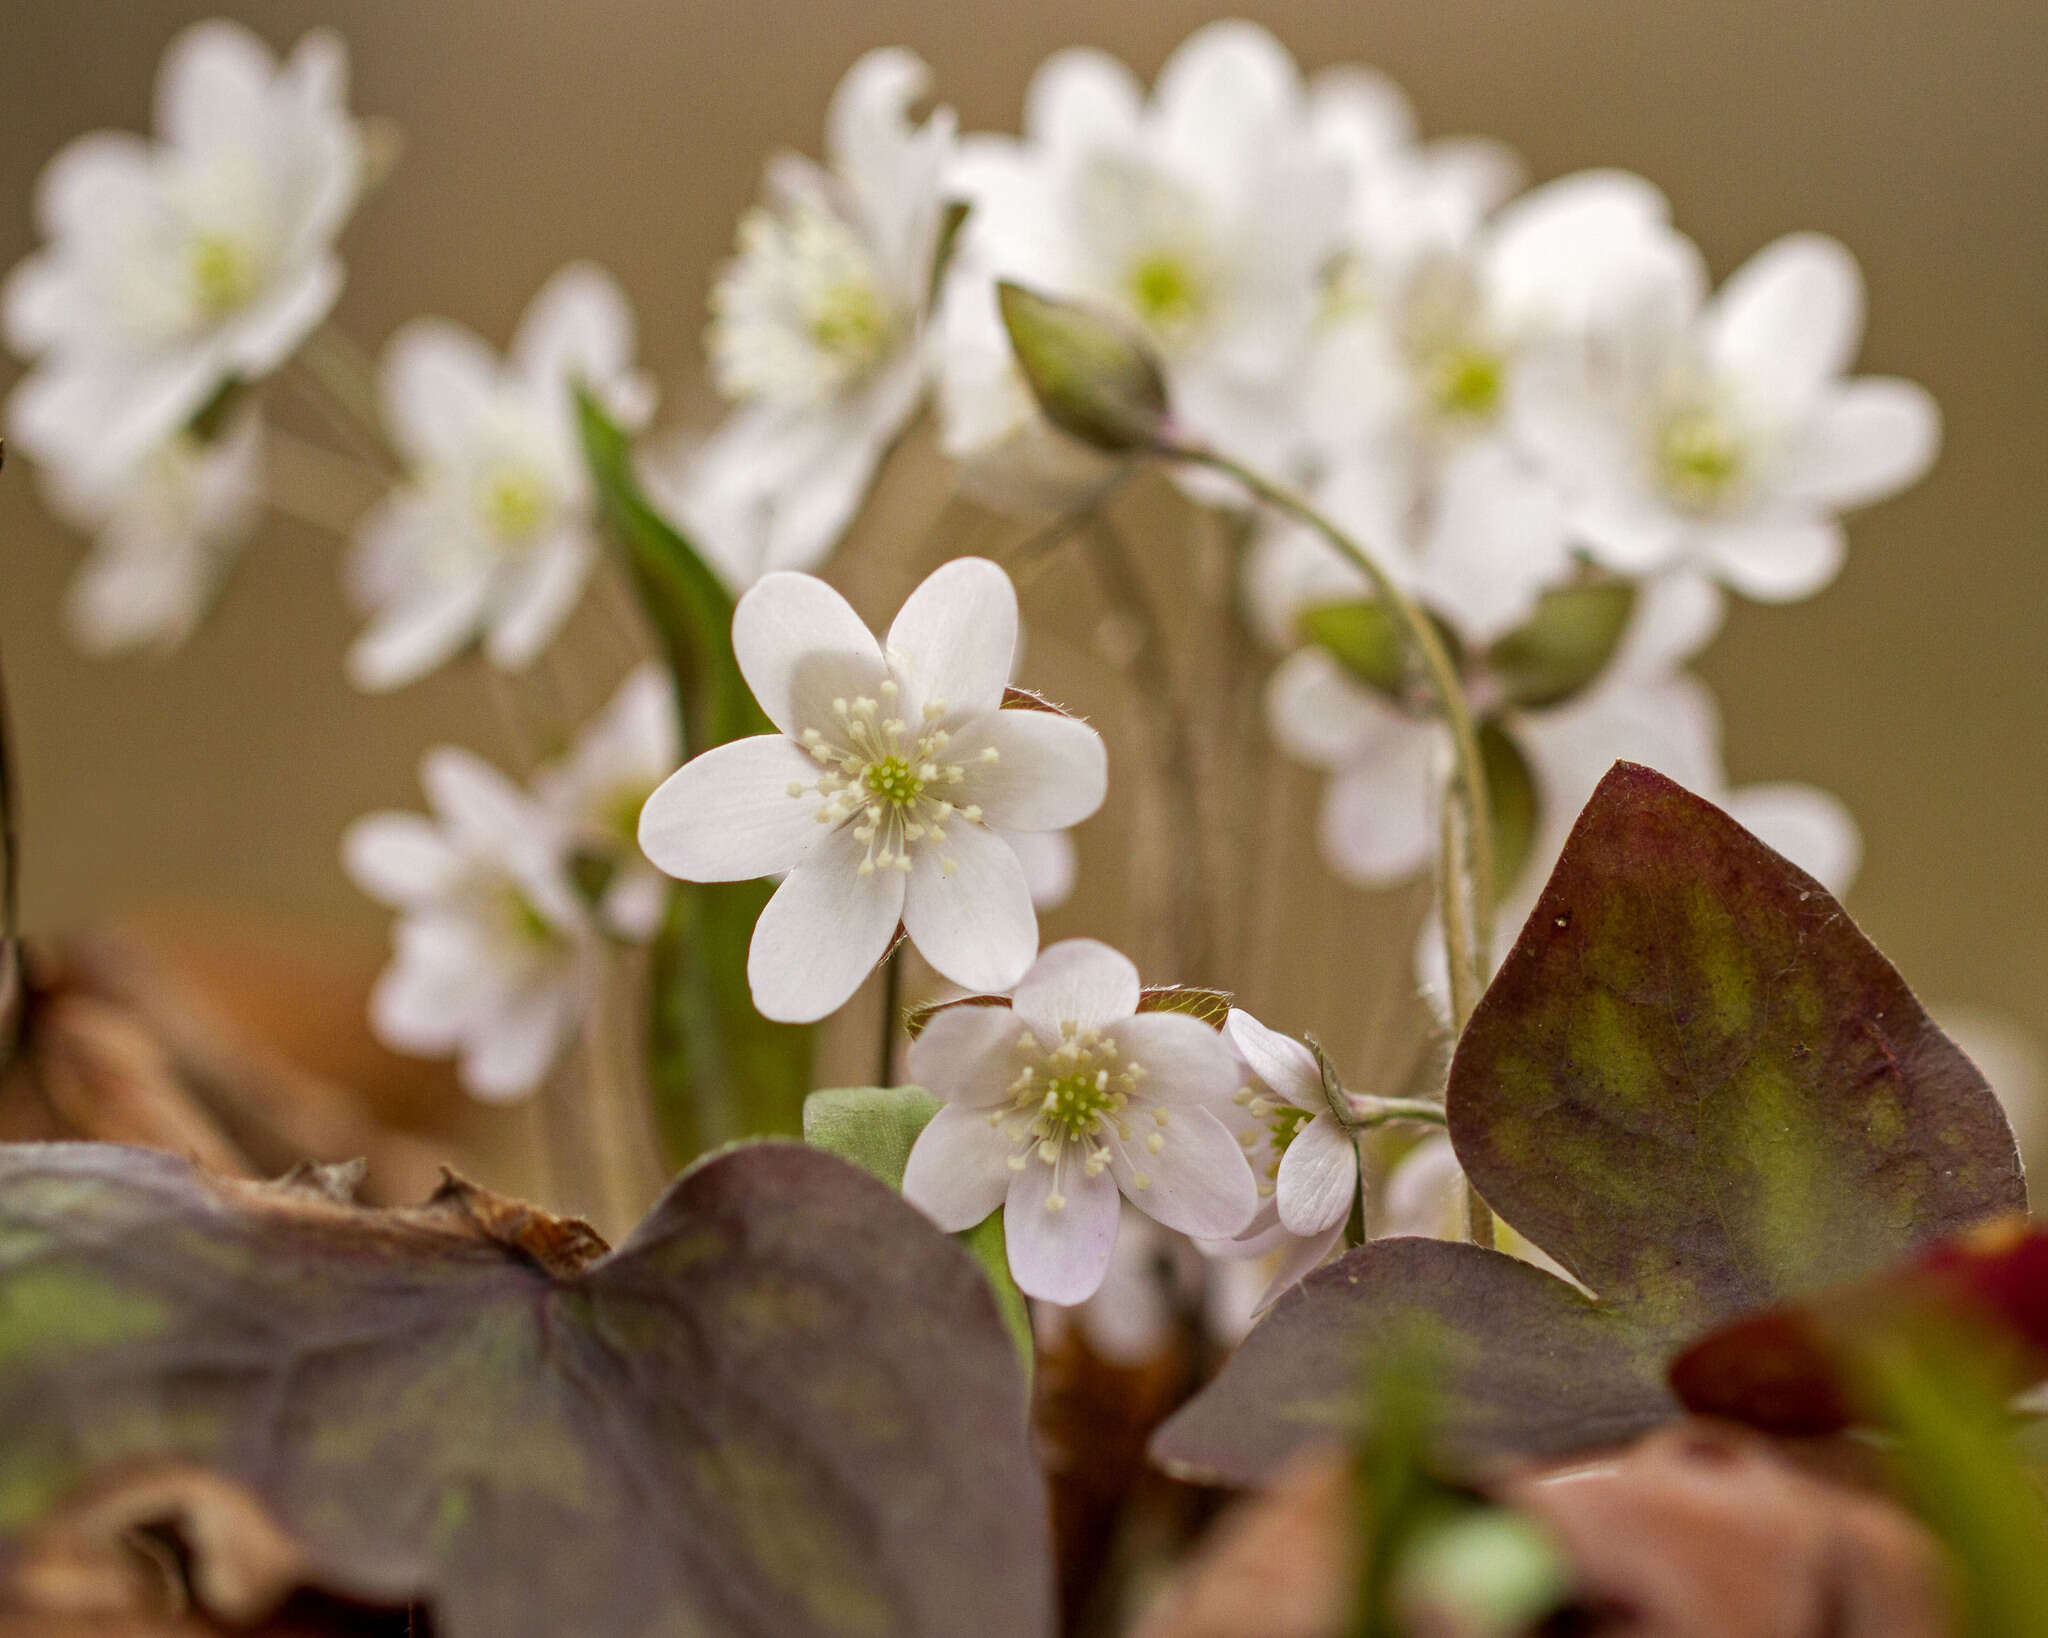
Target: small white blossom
491	942
887	793
1305	1161
1061	1101
1203	215
596	793
817	328
1157	1282
493	534
176	266
1723	436
165	530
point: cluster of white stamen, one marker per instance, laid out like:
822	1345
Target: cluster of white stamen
801	313
1280	1122
887	780
1067	1102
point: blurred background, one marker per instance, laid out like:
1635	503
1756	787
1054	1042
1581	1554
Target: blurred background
216	783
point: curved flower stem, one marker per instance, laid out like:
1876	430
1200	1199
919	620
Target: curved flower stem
1368	1112
342	380
1466	880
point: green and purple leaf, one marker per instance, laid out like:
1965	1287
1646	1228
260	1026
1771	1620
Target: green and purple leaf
1694	1084
785	1407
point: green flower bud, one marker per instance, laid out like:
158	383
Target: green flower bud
1090	374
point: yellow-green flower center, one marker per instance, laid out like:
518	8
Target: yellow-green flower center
1075	1104
1466	382
223	273
894	780
514	501
1699	456
1165	290
1068	1105
849	322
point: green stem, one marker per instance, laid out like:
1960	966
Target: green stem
1465	873
1368	1112
892	1007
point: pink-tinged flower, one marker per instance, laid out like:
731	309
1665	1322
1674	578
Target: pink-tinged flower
1305	1161
888	792
1061	1101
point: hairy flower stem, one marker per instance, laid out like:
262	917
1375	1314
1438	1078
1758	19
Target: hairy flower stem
1367	1112
1170	741
11	997
892	1012
1465	873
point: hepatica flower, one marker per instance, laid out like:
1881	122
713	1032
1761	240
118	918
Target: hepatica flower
491	941
886	791
175	266
817	330
492	537
1722	435
1063	1100
1305	1162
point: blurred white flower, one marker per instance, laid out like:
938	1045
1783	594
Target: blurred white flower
491	942
1723	435
493	535
1305	1161
1063	1100
886	794
1157	1283
1204	216
597	791
176	266
1049	863
817	327
165	529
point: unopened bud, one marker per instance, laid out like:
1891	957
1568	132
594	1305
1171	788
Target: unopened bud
1091	375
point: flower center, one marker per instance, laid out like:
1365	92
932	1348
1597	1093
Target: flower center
885	778
1166	291
514	501
801	312
1066	1104
223	273
1280	1124
1699	457
1465	382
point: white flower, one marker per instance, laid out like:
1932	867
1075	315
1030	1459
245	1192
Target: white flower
596	793
1723	436
1157	1280
1049	865
1063	1099
1204	216
1305	1161
176	266
165	530
493	535
817	326
491	942
887	792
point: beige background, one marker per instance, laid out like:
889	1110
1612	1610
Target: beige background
631	131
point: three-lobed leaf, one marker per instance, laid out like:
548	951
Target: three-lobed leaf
1695	1085
785	1407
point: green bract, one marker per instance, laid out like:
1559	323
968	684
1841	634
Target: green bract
786	1406
1694	1084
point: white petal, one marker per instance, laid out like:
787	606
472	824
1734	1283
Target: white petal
1809	826
1629	530
1423	1194
1185	1060
967	1055
579	328
1318	1177
264	337
510	1057
1298	1259
1788	320
1225	97
1050	864
540	599
212	86
959	1169
1198	1182
822	932
1868	439
1078	981
1676	616
800	646
419	1006
398	858
481	807
1283	1064
1050	771
1498	538
1060	1256
1081	99
439	381
727	816
1775	561
408	639
953	640
1319	713
1378	823
975	925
